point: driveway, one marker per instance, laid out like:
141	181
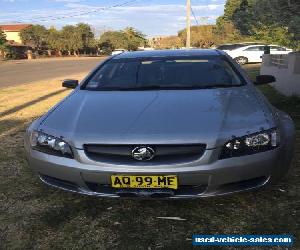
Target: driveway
18	72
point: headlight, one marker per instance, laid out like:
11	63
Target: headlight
50	144
251	144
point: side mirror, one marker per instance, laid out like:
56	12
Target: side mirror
70	84
264	79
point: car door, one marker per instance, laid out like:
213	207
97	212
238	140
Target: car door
253	53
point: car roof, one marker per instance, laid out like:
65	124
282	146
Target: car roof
244	43
262	45
256	45
170	53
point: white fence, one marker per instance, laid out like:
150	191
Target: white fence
286	69
280	61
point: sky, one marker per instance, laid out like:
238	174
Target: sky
152	17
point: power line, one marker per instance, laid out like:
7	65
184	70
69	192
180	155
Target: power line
200	19
51	18
194	16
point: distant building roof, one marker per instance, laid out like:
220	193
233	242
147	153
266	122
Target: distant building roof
13	27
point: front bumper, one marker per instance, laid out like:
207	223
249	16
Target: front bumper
218	177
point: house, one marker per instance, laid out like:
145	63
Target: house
12	31
17	50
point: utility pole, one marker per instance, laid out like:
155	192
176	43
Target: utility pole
188	24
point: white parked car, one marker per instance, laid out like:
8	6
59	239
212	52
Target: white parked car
253	53
118	51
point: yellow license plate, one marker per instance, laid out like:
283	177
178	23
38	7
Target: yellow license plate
143	181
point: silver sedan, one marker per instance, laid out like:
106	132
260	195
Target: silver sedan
170	124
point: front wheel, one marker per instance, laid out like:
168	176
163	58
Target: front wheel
241	60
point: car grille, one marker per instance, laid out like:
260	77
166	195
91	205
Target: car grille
154	193
163	153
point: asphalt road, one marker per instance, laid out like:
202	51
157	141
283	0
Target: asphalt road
18	72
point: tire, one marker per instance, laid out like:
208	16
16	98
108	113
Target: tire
241	60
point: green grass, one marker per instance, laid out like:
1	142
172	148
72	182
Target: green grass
252	70
33	216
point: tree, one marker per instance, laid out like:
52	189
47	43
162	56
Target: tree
281	17
135	38
169	42
106	46
272	21
34	36
226	32
225	28
2	37
86	34
55	40
3	46
111	40
230	8
75	38
71	38
201	36
128	38
281	13
243	17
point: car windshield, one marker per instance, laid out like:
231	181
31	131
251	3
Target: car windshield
163	73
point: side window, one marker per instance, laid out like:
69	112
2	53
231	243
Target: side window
277	48
255	48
